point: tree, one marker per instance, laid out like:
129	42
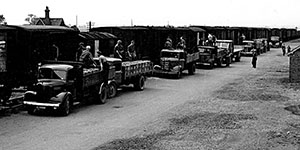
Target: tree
31	19
2	19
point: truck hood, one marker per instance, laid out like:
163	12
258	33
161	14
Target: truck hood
170	59
51	82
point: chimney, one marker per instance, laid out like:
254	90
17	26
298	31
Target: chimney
47	16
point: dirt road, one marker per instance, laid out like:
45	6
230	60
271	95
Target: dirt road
224	108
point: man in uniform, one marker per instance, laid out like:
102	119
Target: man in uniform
119	50
131	50
87	58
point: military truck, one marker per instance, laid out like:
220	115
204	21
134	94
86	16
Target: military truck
275	42
234	54
174	62
61	85
211	55
249	47
23	47
126	73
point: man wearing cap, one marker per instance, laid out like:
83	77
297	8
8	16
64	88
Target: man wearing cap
119	50
80	49
87	58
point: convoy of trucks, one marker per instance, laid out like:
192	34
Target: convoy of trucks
62	82
174	62
61	85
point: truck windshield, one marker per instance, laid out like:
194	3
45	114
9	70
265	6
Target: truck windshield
274	38
171	54
222	45
47	73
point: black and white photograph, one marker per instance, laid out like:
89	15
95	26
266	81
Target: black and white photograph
150	75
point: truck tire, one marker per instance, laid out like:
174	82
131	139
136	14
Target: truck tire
211	65
179	74
102	97
220	62
65	108
228	61
139	84
192	69
112	90
30	109
238	58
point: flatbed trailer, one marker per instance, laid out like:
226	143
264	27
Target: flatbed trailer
128	72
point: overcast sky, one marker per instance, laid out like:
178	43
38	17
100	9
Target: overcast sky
254	13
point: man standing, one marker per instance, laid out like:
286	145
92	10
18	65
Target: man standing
131	50
119	50
87	58
104	67
254	59
181	44
80	49
283	49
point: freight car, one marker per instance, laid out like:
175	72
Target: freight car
150	40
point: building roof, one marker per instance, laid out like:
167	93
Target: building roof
196	29
97	35
52	21
44	28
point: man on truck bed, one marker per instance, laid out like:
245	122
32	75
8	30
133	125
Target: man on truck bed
103	66
87	58
181	44
119	50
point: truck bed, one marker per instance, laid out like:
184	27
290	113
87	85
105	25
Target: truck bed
133	68
192	57
91	76
238	48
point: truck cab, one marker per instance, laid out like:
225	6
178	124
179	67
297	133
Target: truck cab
173	62
207	55
231	52
249	46
62	85
275	42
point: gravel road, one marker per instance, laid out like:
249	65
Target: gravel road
223	108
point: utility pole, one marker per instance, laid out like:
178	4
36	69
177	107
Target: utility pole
76	21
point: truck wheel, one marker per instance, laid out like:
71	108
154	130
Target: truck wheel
228	61
220	62
102	97
139	85
179	74
211	65
112	90
65	107
192	69
30	109
238	58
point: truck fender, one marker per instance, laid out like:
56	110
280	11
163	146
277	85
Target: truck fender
112	82
177	68
101	87
60	97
